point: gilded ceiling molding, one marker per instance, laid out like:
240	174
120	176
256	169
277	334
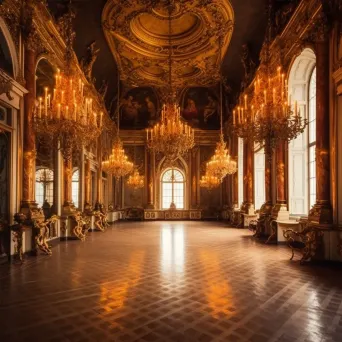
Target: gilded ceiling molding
137	33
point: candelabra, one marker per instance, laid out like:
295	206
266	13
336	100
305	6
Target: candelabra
268	118
67	116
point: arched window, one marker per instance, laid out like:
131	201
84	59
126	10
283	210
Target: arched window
302	158
44	186
312	139
75	188
173	188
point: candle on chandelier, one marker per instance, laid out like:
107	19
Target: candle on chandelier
66	112
40	108
58	111
274	95
101	118
45	101
233	117
75	112
62	96
246	101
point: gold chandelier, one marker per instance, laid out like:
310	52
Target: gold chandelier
221	164
117	163
135	180
171	136
266	116
65	115
209	181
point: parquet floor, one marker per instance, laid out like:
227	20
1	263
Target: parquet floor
170	281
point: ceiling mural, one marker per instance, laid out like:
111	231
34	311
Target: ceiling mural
138	35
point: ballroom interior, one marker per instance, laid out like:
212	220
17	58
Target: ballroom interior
170	170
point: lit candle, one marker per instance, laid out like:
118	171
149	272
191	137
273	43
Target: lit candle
45	100
66	112
101	116
233	117
75	112
274	95
58	111
54	93
265	96
40	108
62	96
246	101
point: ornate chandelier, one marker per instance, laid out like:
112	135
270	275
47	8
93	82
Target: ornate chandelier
171	136
66	115
117	164
136	181
268	117
209	181
221	164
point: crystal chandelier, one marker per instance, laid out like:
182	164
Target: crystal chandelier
268	117
65	115
171	136
117	164
209	181
221	164
135	180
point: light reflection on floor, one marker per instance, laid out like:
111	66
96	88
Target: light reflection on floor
170	281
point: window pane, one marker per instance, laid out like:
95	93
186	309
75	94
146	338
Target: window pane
75	188
172	189
39	193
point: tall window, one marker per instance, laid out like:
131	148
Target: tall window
44	186
312	139
173	189
75	187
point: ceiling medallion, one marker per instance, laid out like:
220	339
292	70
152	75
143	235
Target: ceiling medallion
137	32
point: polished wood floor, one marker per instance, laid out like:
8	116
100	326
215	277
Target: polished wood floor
170	281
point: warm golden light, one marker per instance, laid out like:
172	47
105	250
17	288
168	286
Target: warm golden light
117	163
171	136
136	181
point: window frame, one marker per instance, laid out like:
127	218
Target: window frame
162	182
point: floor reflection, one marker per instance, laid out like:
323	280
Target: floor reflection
172	249
115	298
215	287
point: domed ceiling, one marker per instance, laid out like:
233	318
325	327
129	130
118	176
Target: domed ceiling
138	35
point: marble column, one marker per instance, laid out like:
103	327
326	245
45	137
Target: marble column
279	210
321	213
248	193
29	145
